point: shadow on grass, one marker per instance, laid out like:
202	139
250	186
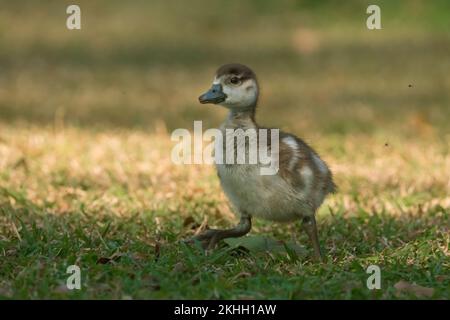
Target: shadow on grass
131	255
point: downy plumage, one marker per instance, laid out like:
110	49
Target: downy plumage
295	192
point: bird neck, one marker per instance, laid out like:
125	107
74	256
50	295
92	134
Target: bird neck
242	115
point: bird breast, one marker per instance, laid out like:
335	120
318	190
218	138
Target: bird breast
273	197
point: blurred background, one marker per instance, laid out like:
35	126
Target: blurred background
142	64
85	153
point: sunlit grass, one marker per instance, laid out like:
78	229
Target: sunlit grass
85	169
73	196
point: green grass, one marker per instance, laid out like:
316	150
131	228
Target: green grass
85	170
159	266
67	200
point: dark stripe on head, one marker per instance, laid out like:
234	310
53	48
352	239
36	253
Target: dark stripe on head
237	69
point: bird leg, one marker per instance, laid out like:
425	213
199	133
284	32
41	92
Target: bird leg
309	224
209	238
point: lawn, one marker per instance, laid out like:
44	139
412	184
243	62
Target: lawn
86	176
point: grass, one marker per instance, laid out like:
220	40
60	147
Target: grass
85	170
65	200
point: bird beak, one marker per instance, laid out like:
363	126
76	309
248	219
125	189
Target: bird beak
214	95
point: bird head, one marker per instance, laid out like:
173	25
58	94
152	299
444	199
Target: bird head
234	87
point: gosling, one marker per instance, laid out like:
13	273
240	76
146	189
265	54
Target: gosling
293	193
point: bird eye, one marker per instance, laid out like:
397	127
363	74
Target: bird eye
235	80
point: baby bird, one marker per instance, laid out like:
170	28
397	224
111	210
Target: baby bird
294	192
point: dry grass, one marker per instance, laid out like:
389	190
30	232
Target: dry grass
62	168
125	179
85	169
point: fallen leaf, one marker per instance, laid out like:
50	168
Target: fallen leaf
412	288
